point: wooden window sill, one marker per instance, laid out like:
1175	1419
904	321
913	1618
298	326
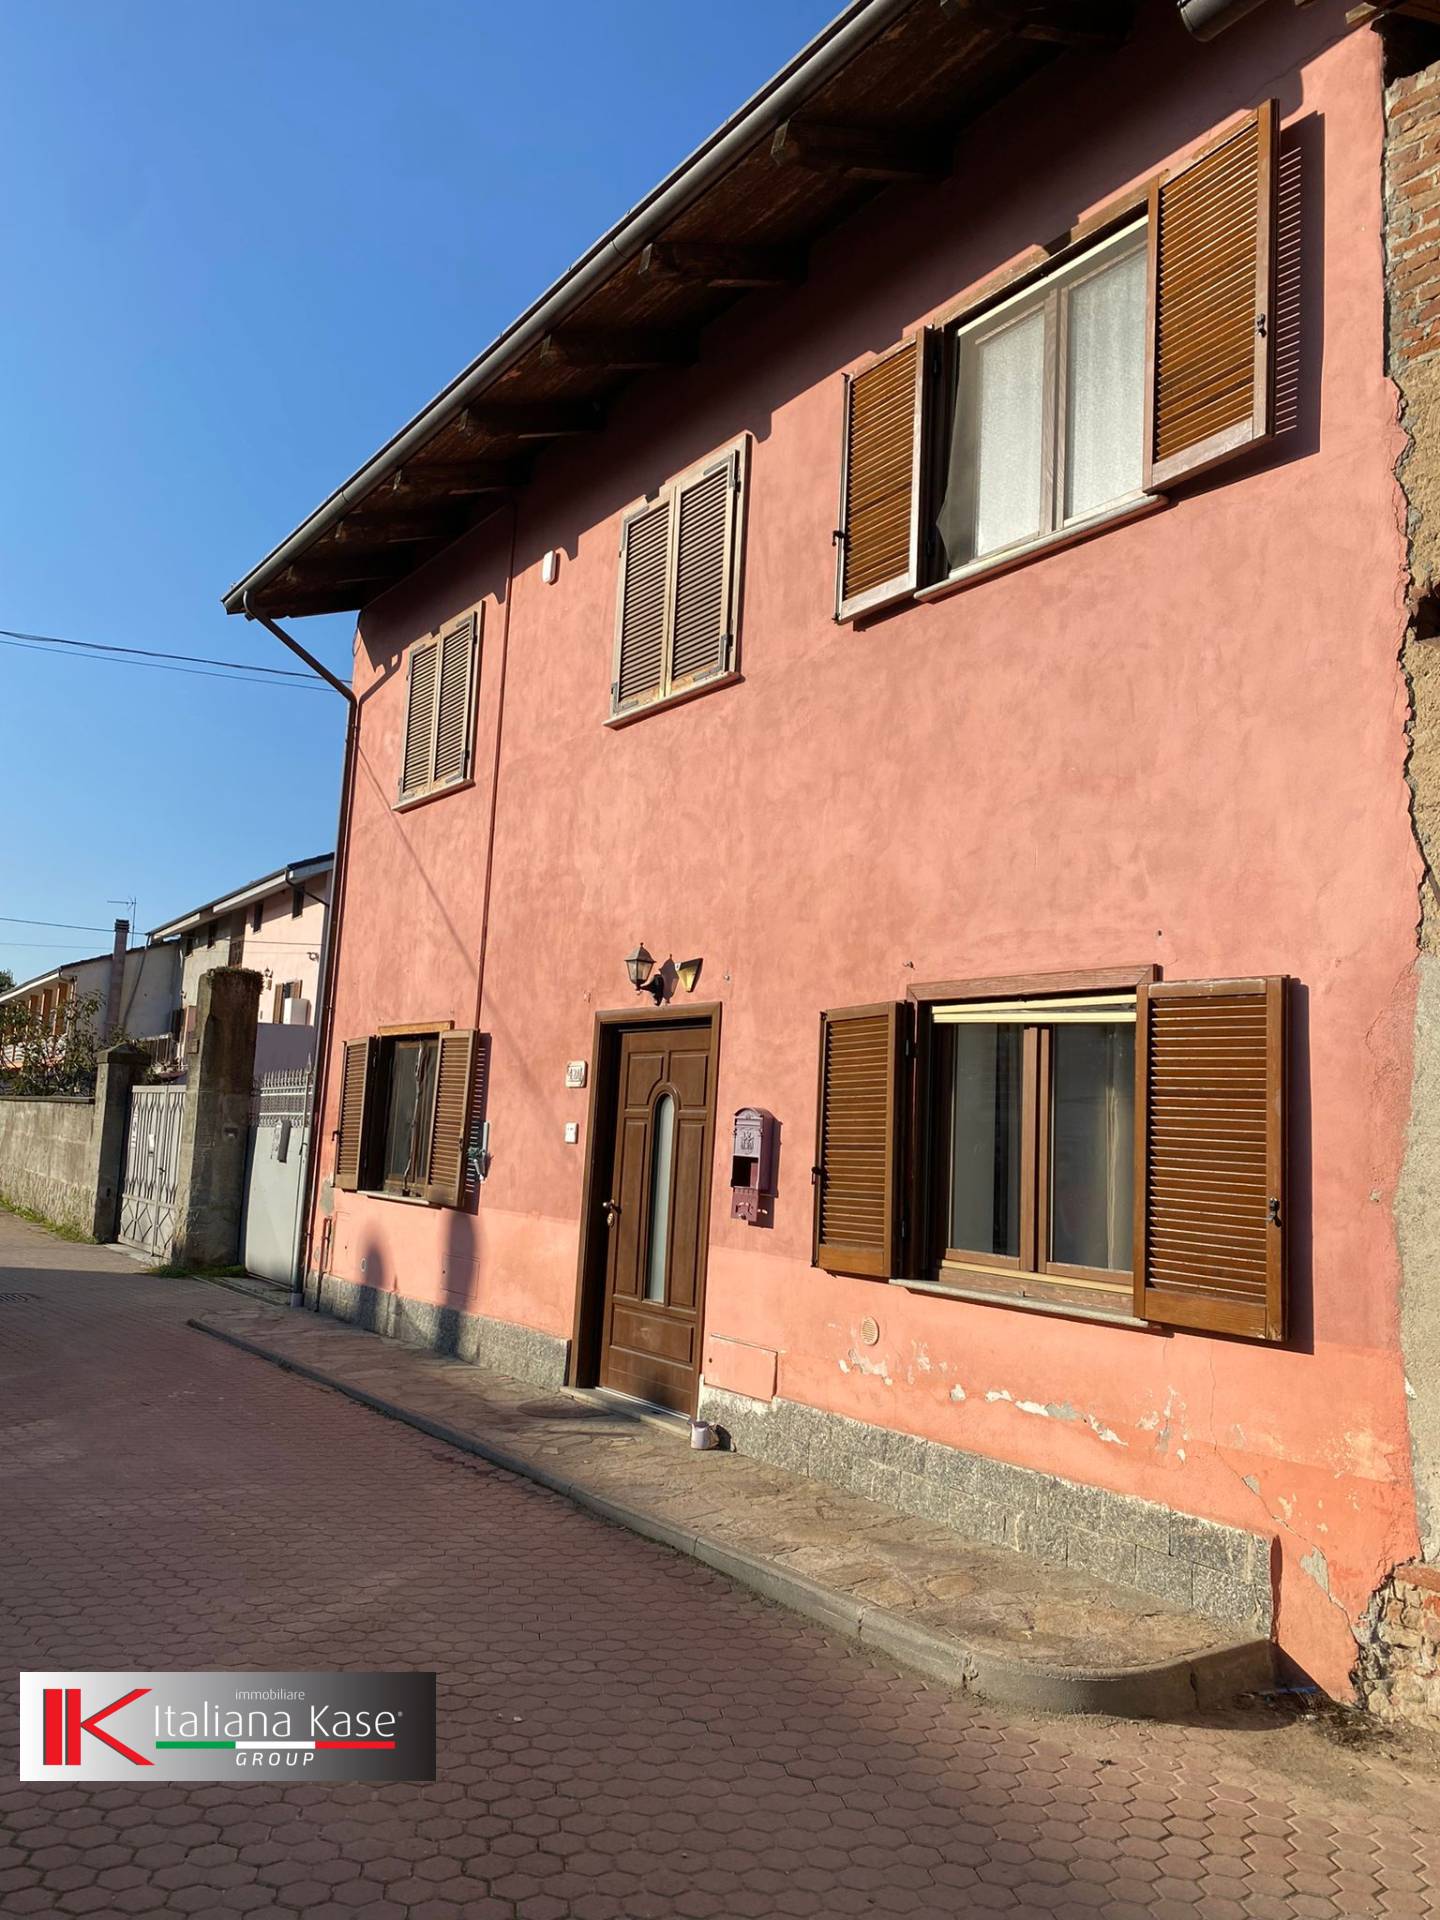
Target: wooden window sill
1052	1300
668	700
420	799
971	575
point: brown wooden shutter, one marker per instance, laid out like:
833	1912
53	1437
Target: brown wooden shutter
857	1129
420	719
354	1115
643	615
1210	1214
452	711
449	1126
880	481
706	514
1210	346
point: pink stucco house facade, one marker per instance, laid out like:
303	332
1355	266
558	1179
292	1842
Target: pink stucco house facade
1105	1265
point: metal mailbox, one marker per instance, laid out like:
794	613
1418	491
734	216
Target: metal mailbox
752	1166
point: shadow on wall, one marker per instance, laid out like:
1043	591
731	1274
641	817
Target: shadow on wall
1299	1184
372	1309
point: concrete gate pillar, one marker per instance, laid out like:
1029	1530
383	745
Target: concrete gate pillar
118	1070
214	1132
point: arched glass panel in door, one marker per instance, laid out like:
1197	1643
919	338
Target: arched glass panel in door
662	1156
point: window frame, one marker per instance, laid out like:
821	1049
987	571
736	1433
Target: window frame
397	1187
1041	290
1030	1277
736	453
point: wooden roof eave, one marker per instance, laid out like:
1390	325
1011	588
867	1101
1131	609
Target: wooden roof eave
797	161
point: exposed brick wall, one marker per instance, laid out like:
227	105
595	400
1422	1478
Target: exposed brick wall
1412	184
1398	1672
1412	280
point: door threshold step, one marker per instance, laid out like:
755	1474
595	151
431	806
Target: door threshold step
983	1619
663	1419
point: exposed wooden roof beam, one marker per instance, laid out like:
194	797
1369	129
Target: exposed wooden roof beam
721	266
626	350
862	153
447	479
300	604
399	529
1062	23
324	572
530	420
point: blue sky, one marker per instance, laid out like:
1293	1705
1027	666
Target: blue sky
242	243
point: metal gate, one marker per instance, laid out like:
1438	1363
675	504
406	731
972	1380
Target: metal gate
278	1131
149	1186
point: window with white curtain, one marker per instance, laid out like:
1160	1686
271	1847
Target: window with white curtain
1047	415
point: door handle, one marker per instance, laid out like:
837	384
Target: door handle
612	1211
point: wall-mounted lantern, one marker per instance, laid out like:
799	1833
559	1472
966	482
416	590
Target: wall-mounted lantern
638	965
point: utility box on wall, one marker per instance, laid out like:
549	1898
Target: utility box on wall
752	1166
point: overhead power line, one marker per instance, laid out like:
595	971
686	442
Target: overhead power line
49	946
153	653
245	672
70	926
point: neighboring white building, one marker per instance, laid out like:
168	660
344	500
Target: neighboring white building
139	987
275	925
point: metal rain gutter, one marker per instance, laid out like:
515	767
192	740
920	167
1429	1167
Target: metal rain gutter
847	34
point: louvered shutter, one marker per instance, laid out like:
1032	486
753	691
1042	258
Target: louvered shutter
420	719
643	616
702	633
1208	374
857	1157
445	1181
881	497
358	1060
452	710
1210	1214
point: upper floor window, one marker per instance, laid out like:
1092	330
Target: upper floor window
675	617
439	712
1142	357
1047	407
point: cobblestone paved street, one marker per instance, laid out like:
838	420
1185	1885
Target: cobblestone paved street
622	1733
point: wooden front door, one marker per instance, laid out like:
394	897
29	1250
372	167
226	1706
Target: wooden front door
657	1215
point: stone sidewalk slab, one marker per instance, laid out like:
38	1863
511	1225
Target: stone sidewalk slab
982	1619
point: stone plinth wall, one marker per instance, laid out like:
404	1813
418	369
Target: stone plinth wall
524	1353
1188	1562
